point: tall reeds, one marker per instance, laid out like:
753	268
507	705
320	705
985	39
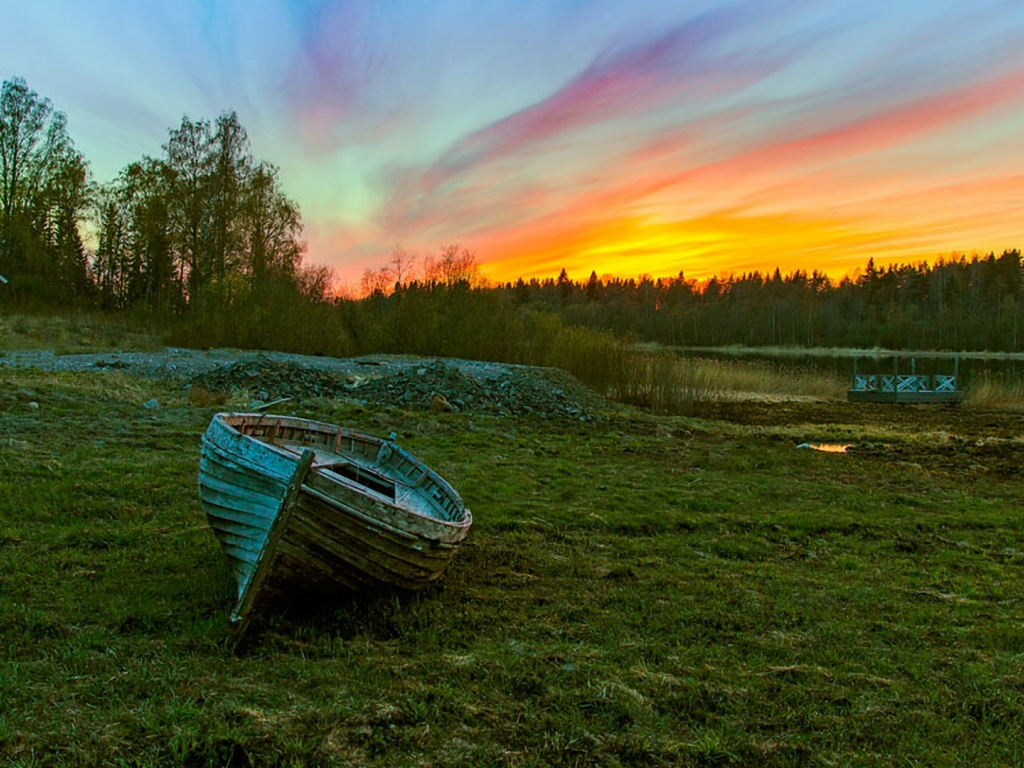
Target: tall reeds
996	391
666	382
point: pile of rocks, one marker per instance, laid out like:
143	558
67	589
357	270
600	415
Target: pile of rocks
267	379
460	386
505	392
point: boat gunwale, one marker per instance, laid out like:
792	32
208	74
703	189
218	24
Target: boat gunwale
464	521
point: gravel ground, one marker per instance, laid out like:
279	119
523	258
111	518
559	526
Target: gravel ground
400	381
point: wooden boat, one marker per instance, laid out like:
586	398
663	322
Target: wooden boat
306	509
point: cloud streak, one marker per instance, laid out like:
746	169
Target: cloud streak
592	135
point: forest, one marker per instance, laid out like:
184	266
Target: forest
203	243
954	304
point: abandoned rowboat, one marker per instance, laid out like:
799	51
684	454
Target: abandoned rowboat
307	509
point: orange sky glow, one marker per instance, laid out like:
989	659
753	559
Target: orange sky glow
607	136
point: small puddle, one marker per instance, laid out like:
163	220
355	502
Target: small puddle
826	447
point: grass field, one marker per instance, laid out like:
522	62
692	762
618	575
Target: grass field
636	591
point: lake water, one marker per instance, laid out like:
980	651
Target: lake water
971	367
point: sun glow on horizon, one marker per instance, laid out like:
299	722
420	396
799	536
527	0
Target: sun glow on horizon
717	246
609	137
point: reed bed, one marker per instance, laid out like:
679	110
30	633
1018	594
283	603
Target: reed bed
996	391
668	383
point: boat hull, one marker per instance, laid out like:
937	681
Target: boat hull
363	516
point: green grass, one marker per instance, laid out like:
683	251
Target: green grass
636	591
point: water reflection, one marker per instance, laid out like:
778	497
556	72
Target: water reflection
973	368
826	447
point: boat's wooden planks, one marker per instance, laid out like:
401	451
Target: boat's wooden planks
358	513
413	521
241	616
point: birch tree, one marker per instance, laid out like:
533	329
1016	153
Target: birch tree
43	194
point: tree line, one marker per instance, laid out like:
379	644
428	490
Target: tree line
203	239
957	303
199	227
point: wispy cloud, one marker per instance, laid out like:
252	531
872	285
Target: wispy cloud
595	117
592	134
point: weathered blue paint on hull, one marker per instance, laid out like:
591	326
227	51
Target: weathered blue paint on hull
367	515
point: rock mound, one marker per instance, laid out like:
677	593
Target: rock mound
505	392
460	386
267	379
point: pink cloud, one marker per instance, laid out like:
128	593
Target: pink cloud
890	128
622	84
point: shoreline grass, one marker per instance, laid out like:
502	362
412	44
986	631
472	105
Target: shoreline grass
669	384
75	332
997	392
868	353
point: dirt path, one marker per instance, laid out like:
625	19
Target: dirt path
403	381
185	364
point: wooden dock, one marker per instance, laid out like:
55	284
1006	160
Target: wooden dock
896	387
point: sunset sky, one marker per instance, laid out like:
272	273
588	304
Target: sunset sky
624	136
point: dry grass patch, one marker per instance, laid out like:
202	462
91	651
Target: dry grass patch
75	333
